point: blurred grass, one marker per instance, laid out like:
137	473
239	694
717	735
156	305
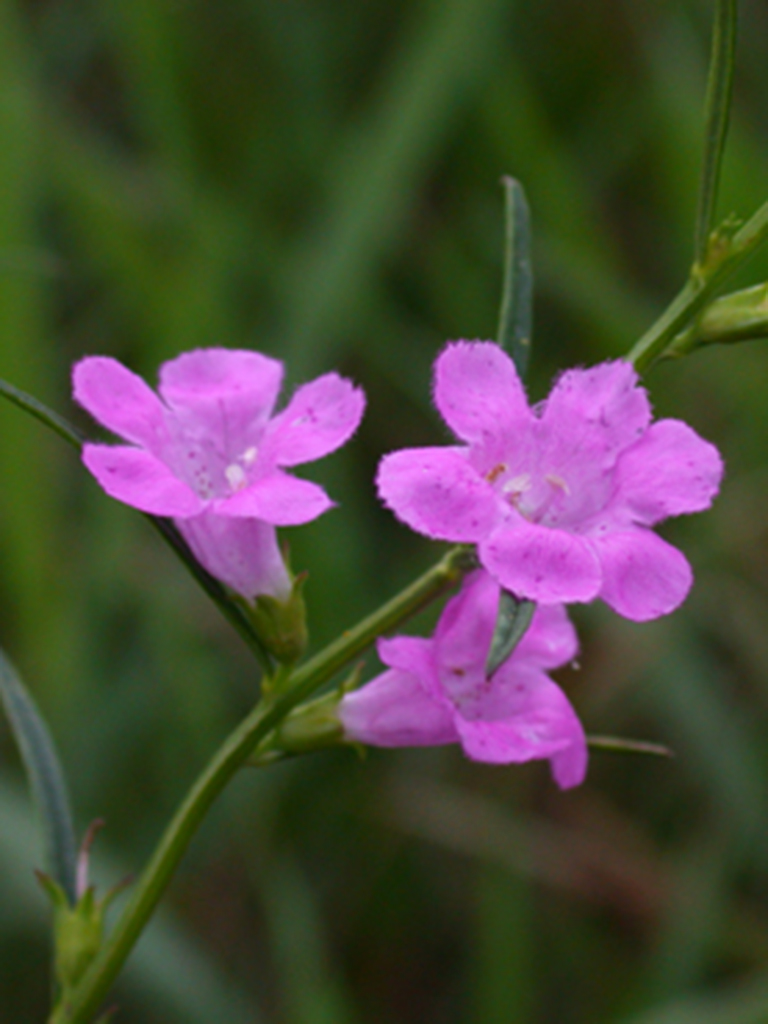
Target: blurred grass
321	180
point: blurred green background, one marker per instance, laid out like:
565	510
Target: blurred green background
319	179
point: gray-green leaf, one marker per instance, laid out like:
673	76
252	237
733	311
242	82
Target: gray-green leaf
512	621
45	776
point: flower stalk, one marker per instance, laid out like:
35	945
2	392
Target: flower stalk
84	1001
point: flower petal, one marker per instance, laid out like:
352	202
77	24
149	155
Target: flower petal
223	395
463	637
603	404
569	766
243	553
279	498
542	564
435	491
478	391
547	725
394	710
411	654
320	417
139	479
550	641
670	470
643	576
120	401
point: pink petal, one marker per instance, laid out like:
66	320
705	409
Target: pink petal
243	553
545	727
463	636
542	564
320	417
569	766
643	576
436	492
411	654
550	640
603	407
120	401
478	391
279	498
394	710
139	479
223	395
669	471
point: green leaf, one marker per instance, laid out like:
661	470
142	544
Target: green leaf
620	745
42	413
513	619
516	315
45	776
718	107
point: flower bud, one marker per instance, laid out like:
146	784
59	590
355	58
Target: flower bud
78	928
740	316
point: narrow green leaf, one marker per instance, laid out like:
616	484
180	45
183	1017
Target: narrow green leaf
45	776
513	619
42	413
516	315
718	108
620	745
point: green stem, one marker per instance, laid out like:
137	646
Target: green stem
724	258
718	107
308	678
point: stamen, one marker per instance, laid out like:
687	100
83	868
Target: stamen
557	481
249	456
495	473
236	477
517	485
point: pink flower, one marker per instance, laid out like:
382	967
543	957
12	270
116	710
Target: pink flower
559	498
436	690
209	453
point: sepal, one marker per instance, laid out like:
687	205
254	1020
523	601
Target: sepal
78	933
312	726
78	928
281	625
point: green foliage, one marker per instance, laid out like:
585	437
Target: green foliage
46	780
321	181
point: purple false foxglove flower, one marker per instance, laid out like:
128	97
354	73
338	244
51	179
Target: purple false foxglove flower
560	498
436	691
209	453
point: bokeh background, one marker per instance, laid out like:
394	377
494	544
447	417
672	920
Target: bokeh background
319	179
